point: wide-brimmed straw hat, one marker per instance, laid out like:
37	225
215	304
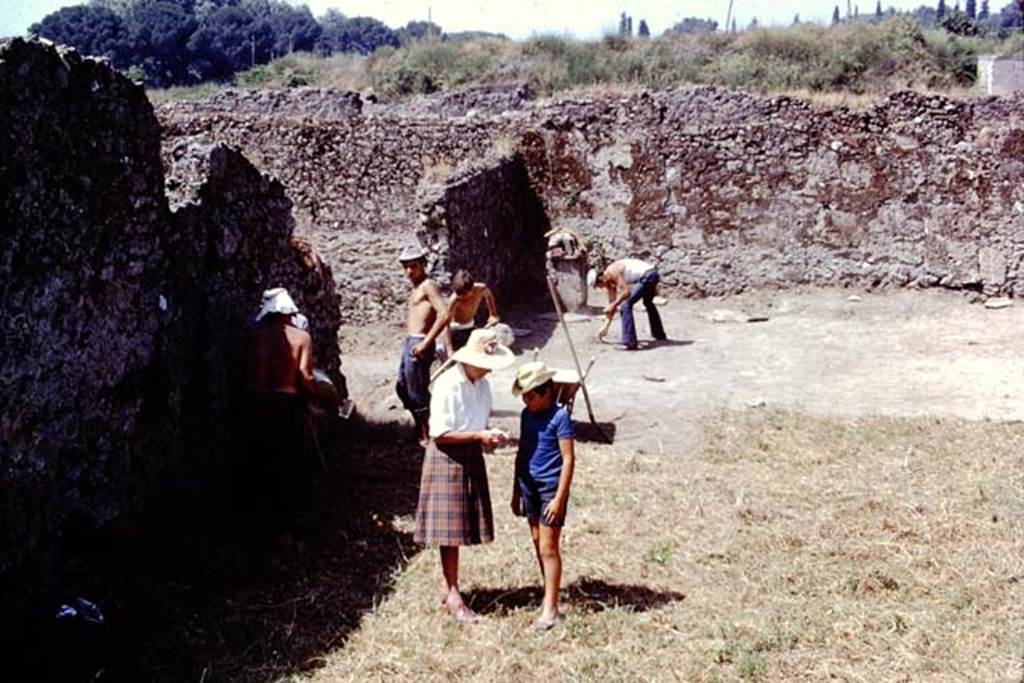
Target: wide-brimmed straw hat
483	350
276	300
530	376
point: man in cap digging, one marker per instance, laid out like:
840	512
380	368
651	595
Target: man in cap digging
455	503
426	318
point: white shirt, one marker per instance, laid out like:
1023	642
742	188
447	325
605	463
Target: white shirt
634	269
458	405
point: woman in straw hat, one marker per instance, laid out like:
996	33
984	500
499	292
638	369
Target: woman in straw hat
455	504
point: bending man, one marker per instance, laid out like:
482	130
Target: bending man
628	281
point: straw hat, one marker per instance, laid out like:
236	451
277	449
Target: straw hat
276	300
530	376
482	350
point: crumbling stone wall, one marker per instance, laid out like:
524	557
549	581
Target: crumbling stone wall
725	191
488	220
123	319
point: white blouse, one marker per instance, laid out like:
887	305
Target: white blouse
458	405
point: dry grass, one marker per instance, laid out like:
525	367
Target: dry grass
782	547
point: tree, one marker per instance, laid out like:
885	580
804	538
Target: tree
159	31
940	9
235	35
693	25
753	24
835	15
362	35
92	30
419	30
983	14
971	8
796	19
294	29
733	27
625	25
878	11
644	31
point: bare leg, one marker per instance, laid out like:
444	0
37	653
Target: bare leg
452	598
535	535
551	562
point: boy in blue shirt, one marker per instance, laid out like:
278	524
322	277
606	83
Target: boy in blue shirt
544	468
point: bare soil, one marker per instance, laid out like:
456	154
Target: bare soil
821	352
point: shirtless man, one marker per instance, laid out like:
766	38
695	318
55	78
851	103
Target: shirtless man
460	319
279	383
427	313
628	281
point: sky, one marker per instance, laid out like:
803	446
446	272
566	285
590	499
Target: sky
523	18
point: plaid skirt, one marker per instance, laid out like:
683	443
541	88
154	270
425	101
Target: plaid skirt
455	502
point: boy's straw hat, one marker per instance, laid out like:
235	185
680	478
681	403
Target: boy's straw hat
483	350
530	376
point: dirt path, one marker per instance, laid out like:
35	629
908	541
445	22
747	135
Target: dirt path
903	354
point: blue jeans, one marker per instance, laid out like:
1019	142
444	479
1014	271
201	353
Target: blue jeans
646	288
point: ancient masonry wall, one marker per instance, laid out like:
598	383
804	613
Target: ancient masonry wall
123	319
725	191
488	220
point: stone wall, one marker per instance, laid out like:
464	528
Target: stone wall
488	220
123	320
724	190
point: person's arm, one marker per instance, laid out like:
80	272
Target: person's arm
492	305
313	389
556	508
441	317
516	503
488	437
617	293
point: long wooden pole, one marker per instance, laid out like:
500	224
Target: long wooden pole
575	359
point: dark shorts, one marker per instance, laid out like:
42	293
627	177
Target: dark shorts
533	500
460	336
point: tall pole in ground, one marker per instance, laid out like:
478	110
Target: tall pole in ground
579	368
728	16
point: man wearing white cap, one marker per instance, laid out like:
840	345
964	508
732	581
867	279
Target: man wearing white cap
455	502
426	315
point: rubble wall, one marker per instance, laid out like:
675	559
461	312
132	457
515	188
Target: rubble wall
489	220
724	190
124	319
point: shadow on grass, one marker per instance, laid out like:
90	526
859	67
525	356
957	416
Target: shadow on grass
586	595
189	601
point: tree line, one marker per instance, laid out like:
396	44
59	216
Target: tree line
182	42
179	42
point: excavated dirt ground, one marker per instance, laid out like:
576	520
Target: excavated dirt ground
824	352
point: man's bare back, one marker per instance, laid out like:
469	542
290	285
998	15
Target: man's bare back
280	358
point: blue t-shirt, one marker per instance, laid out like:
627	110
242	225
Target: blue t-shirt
539	456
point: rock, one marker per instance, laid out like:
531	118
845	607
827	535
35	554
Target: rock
723	315
999	302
